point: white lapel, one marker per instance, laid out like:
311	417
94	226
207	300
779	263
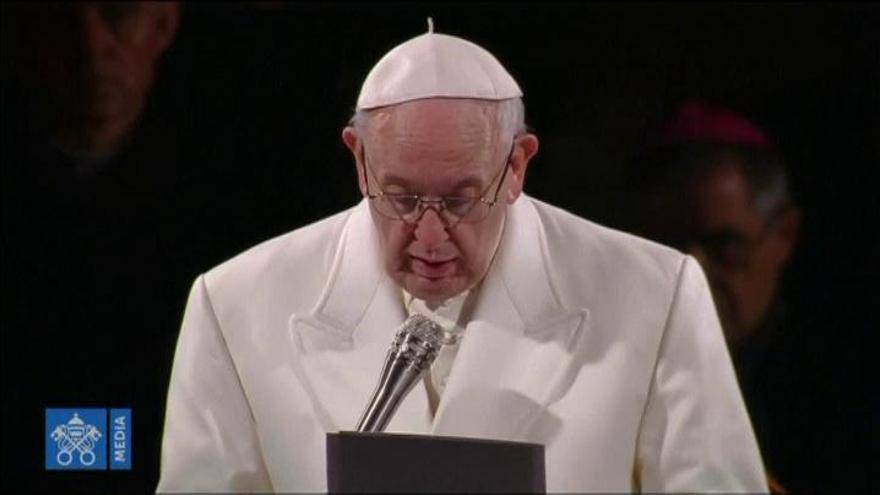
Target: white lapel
515	360
341	344
517	354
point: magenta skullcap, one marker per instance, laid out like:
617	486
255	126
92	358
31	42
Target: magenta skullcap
697	122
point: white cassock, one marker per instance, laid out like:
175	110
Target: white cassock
603	347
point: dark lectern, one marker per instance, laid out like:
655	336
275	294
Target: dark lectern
384	462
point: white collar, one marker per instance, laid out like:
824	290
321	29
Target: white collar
452	314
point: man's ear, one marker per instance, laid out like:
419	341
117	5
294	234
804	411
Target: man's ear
166	20
353	143
525	147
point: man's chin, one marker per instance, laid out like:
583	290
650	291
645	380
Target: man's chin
434	289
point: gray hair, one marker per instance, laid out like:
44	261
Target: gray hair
510	115
770	191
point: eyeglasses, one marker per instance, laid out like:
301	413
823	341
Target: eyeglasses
731	247
409	208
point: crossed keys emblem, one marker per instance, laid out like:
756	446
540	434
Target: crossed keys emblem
78	436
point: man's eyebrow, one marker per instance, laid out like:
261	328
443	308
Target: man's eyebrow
396	180
472	181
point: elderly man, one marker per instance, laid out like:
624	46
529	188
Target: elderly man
603	347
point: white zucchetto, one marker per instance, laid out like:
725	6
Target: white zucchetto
436	66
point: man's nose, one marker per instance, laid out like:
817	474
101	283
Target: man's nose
431	229
100	43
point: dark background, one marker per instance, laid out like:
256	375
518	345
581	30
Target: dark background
241	142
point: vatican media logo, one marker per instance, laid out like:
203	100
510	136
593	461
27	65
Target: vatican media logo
80	439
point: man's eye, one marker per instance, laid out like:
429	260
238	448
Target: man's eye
729	252
458	206
404	203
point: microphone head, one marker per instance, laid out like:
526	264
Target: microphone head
421	327
415	345
418	340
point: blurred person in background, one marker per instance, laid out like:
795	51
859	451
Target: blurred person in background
92	171
720	191
713	184
90	68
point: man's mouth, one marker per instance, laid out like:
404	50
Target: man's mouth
433	269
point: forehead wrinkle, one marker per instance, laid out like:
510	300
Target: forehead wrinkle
415	144
437	129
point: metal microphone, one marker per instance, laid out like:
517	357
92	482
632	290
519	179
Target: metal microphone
412	351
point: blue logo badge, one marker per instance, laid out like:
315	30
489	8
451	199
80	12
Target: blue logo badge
75	439
80	438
